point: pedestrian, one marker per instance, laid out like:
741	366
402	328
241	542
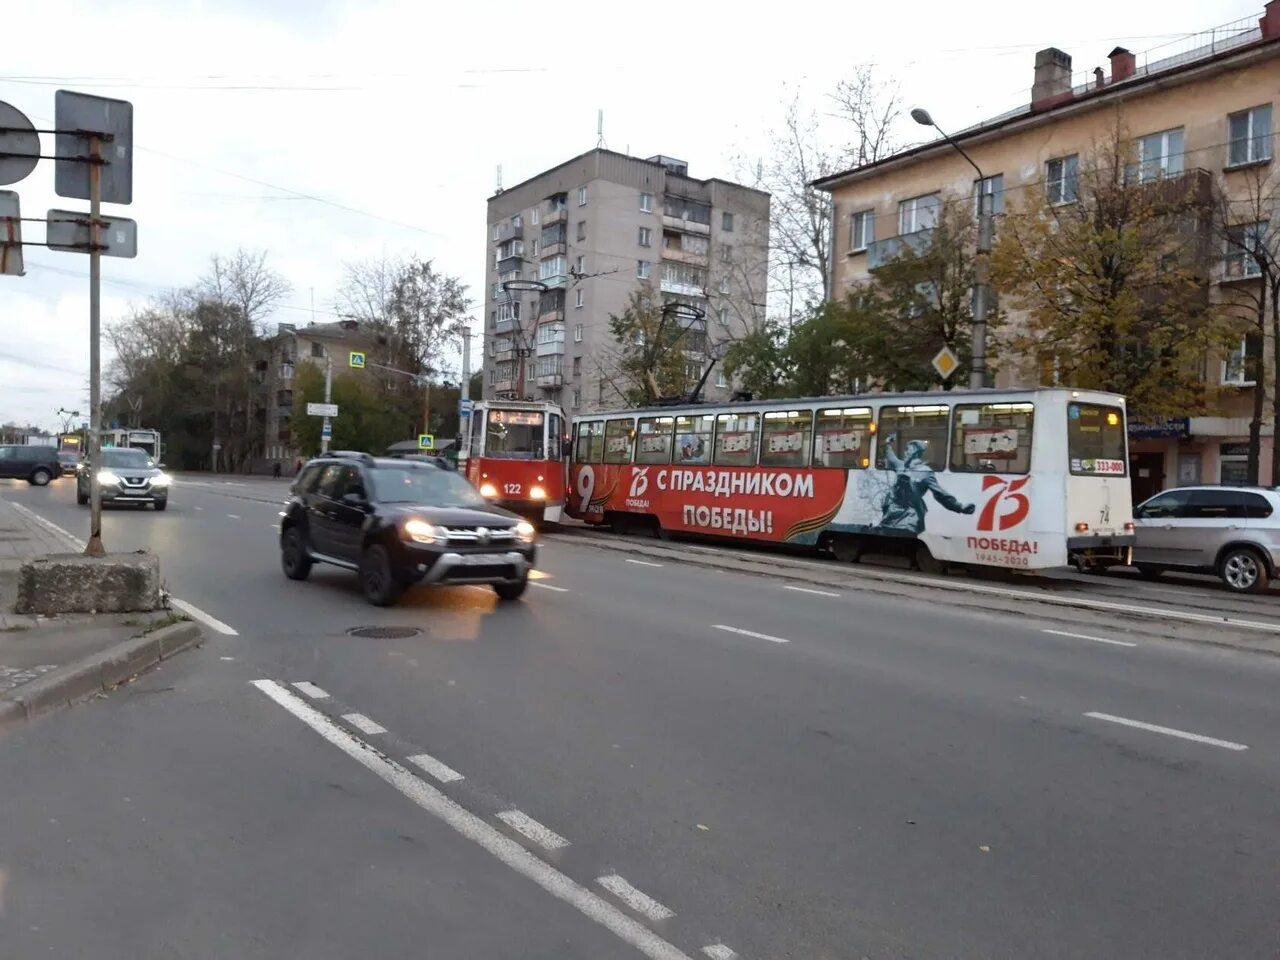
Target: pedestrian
297	469
275	470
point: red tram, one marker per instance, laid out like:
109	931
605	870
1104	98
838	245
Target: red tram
513	453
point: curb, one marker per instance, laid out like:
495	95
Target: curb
97	673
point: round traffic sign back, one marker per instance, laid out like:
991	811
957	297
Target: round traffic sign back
17	136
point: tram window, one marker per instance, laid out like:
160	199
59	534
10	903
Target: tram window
913	434
786	438
1095	439
515	435
590	442
842	438
654	438
992	437
693	439
618	435
736	439
555	436
477	433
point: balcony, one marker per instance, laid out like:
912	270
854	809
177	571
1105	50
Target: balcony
551	306
507	326
556	281
1186	189
555	214
556	249
882	251
550	381
685	225
683	256
507	232
503	386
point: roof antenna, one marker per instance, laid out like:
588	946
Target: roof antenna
759	171
499	190
600	144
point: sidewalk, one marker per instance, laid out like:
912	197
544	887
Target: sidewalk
48	661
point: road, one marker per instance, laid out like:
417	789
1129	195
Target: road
643	758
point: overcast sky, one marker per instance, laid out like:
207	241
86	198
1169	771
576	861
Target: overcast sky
327	131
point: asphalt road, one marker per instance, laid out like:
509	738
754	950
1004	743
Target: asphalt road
640	759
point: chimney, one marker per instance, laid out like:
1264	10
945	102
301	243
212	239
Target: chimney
1269	22
1053	78
1123	64
1099	79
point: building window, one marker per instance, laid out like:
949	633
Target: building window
317	349
643	269
862	230
646	237
516	222
577	399
577	333
919	213
578	267
582	196
723	316
1250	136
1235	368
577	301
1060	179
535	248
493	318
1159	155
577	366
535	216
726	222
721	381
726	252
509	310
497	232
551	268
582	229
993	189
1244	241
646	203
724	285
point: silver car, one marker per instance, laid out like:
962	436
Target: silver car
1233	532
126	476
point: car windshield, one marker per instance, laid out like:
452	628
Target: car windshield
425	485
126	458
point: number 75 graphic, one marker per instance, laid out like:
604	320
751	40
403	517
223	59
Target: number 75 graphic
1006	505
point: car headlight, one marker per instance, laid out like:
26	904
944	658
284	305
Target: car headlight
106	476
419	531
537	493
488	490
525	531
160	480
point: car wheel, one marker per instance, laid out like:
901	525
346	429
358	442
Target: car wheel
379	584
161	504
1243	570
511	591
293	555
81	498
1150	570
40	477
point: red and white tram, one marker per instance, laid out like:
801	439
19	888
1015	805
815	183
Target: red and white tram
513	456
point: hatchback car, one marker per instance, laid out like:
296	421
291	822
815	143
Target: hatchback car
399	522
36	465
1233	532
126	476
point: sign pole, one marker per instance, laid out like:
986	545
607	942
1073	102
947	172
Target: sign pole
328	398
94	547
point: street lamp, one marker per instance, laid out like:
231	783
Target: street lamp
511	288
982	290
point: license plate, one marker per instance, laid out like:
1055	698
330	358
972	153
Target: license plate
482	559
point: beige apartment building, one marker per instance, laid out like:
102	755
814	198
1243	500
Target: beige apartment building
592	230
1202	109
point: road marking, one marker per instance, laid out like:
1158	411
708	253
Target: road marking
363	723
548	586
531	828
49	525
1085	636
643	563
233	516
1170	731
818	593
209	620
718	951
490	838
226	658
635	899
748	633
199	508
311	690
442	772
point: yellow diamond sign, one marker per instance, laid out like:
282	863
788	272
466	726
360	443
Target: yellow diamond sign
945	362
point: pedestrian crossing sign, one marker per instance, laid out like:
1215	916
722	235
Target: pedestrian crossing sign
426	441
356	360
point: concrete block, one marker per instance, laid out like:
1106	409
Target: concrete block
74	583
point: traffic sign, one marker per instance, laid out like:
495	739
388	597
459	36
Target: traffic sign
322	409
945	362
426	441
326	429
356	360
19	144
10	230
464	406
85	114
68	230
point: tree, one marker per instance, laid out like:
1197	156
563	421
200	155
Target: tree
1114	282
364	422
647	358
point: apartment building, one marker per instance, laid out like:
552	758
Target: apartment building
1202	110
590	231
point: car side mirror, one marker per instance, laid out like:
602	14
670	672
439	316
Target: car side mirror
354	500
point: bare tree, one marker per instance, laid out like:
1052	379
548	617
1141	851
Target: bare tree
244	281
367	289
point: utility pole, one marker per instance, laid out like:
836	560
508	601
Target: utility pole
328	393
465	388
94	547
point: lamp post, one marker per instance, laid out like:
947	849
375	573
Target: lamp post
982	289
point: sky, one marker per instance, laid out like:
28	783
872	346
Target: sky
331	131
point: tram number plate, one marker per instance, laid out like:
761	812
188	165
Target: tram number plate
512	488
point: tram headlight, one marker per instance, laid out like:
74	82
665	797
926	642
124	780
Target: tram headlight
488	490
537	493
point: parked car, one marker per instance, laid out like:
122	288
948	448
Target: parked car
36	465
398	522
1233	532
126	476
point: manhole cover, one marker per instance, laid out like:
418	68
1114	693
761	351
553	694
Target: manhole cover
384	633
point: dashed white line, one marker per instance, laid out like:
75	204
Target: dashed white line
311	690
506	850
442	772
548	586
1085	636
748	633
363	723
643	563
233	516
1168	731
191	610
198	508
524	824
637	900
718	951
816	593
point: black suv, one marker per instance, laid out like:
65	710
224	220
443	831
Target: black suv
36	465
401	522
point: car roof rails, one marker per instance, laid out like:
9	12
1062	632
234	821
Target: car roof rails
360	455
